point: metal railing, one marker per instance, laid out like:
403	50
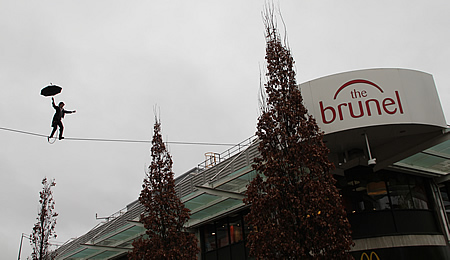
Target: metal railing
227	162
226	154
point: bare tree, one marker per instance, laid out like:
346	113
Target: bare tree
44	229
165	215
295	208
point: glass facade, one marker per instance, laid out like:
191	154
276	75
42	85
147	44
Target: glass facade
363	190
225	238
392	202
377	204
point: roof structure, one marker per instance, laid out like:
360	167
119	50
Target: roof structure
213	190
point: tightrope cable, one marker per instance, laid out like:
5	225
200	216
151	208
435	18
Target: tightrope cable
22	132
113	140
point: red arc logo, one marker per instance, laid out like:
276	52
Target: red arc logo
355	81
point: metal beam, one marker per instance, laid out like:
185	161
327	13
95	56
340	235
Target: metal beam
437	154
136	223
221	193
107	248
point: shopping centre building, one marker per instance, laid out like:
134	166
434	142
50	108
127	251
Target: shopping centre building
390	143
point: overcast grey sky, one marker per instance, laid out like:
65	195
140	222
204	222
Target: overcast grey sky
197	61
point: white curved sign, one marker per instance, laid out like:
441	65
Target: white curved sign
373	97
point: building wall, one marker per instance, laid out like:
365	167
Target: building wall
395	212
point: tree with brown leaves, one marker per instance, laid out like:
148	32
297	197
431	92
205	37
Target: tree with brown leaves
295	209
165	215
44	229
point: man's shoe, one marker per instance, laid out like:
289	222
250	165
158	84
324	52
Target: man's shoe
60	138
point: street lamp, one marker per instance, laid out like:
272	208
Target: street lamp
21	240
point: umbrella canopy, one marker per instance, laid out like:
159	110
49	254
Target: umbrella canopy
51	90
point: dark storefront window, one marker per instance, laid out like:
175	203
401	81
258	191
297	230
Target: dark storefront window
225	238
407	192
209	237
362	195
386	203
222	233
236	232
364	191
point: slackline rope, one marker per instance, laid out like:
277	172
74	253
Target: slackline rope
112	140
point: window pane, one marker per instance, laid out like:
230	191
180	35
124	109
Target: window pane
210	237
400	192
377	193
222	234
236	234
361	192
419	193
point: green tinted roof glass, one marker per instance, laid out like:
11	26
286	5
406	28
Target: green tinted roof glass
436	158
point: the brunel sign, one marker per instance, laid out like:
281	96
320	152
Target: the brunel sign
360	104
373	97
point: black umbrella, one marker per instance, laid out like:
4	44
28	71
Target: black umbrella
51	90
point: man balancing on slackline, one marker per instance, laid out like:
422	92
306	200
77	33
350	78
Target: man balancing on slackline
57	118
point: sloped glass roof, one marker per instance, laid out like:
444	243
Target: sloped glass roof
200	200
123	235
237	181
108	246
84	253
104	255
216	208
435	159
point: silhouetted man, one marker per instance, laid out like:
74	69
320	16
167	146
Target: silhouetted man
57	118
